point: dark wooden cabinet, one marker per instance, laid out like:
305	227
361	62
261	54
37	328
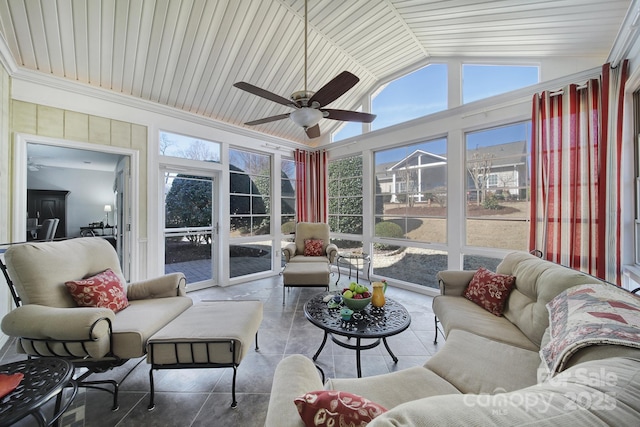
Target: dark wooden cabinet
45	204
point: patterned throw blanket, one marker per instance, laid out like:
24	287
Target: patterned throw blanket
587	315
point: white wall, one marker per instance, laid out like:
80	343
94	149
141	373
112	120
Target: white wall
88	191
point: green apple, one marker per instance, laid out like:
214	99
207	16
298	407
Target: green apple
353	286
360	289
348	294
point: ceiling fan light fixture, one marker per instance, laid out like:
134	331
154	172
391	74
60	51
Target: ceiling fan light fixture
306	117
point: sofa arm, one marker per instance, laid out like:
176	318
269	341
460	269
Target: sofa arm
454	282
289	251
332	252
294	376
169	285
42	322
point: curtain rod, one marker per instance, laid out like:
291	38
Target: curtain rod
561	91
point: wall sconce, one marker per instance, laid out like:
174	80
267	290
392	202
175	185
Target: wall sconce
107	209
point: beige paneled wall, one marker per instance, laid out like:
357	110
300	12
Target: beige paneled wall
6	303
5	156
52	122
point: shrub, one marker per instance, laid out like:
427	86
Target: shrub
388	229
491	202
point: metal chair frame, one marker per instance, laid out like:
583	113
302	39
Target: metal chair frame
83	360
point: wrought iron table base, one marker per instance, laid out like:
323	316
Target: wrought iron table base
358	347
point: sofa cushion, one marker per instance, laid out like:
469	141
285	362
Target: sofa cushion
393	389
143	318
336	408
573	398
489	290
474	364
102	290
313	247
57	263
537	283
455	312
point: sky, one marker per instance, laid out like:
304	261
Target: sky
424	92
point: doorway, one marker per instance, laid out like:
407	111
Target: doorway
191	226
91	177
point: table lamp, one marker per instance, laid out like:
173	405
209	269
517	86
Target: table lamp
107	209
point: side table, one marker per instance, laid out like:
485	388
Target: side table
355	261
44	379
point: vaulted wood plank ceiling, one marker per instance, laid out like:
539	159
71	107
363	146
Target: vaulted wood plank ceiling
187	54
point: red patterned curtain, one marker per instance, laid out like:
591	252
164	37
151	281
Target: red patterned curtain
311	186
575	174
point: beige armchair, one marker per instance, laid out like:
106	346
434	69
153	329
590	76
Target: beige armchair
48	322
294	251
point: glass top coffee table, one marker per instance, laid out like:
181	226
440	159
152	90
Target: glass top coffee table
371	324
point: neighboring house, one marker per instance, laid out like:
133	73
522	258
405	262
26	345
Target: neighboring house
500	168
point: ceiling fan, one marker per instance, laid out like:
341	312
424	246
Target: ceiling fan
308	105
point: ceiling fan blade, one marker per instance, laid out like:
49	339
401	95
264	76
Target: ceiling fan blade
349	116
334	89
255	90
313	131
268	119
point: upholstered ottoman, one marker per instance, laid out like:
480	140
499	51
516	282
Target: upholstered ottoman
305	274
210	334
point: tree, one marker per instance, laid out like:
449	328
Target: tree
345	190
479	168
188	204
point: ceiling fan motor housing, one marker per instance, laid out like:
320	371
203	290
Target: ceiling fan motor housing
302	97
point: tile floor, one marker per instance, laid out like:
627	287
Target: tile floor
202	397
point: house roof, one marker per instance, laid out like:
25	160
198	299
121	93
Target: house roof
509	153
187	54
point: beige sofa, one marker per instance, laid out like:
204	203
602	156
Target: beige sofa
488	372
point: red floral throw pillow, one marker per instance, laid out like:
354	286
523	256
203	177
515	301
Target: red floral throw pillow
336	408
490	290
102	290
313	247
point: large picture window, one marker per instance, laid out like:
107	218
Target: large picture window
497	187
411	192
250	213
345	195
411	212
249	193
288	196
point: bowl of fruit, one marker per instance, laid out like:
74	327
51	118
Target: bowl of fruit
356	296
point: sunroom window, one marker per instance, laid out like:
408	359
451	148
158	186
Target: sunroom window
481	81
497	187
188	147
414	95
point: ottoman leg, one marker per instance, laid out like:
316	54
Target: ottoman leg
152	405
234	404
